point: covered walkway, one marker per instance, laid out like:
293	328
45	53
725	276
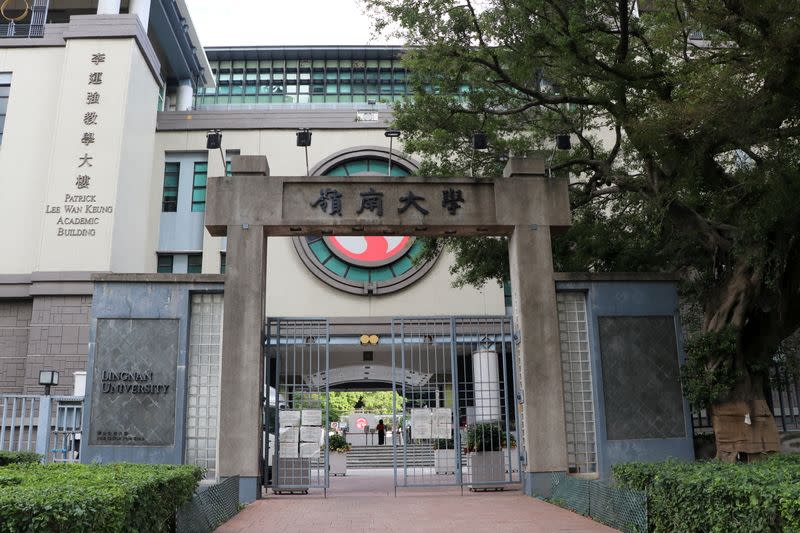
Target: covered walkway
364	501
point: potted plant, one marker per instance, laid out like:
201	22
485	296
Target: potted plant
444	456
485	461
337	458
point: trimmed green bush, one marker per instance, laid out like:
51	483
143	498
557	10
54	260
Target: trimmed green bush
96	498
717	497
11	458
338	443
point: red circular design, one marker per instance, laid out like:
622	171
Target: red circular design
369	252
361	423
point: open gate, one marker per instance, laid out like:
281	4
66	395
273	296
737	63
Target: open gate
455	418
458	422
296	399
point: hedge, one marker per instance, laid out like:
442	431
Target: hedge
97	498
10	458
717	497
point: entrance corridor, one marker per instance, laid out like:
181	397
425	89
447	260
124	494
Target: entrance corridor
364	501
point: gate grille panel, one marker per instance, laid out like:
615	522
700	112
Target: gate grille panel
456	378
297	399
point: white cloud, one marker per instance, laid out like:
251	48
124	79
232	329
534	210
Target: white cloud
282	22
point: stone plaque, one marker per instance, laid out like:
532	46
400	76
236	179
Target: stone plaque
641	378
133	383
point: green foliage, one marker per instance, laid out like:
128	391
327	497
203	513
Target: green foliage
10	458
377	402
98	498
338	443
444	444
485	437
684	153
718	497
709	374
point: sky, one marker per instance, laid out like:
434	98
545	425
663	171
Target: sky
282	22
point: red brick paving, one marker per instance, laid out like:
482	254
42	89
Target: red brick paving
364	502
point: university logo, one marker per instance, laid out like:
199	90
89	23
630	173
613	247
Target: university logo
369	252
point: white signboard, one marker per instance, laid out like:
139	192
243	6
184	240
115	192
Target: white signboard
309	450
442	422
312	417
289	434
431	423
289	418
421	423
315	435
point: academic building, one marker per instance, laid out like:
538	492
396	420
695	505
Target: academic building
147	184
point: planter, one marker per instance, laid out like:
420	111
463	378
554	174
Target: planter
486	470
444	461
512	466
337	463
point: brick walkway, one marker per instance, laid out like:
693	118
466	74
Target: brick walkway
364	501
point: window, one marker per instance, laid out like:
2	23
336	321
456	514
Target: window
194	264
199	187
165	263
5	89
223	260
169	202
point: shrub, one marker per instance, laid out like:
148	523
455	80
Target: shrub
485	438
713	496
444	444
10	458
338	443
97	498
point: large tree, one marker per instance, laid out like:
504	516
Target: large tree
684	118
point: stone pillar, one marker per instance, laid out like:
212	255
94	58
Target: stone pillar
185	96
242	349
141	8
486	381
108	7
539	354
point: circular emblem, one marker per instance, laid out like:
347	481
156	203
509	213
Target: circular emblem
369	252
359	265
361	423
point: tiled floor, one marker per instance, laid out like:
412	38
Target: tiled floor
364	501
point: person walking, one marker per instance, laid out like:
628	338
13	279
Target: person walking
381	432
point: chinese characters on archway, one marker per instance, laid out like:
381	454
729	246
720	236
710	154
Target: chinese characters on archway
332	202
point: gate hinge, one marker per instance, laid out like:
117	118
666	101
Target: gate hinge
520	398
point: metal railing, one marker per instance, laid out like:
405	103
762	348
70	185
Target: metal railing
22	418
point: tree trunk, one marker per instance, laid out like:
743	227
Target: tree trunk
744	426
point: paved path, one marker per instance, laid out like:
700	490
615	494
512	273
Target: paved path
364	501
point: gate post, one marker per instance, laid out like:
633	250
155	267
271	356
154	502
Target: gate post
241	387
43	427
536	325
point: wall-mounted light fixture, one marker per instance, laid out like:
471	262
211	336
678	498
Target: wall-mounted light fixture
392	135
48	378
304	141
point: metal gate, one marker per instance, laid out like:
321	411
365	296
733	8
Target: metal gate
296	399
455	418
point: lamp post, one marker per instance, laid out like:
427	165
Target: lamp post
304	141
391	134
48	378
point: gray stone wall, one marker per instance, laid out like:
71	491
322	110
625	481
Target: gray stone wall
15	318
59	338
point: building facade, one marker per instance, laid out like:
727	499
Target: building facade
105	111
